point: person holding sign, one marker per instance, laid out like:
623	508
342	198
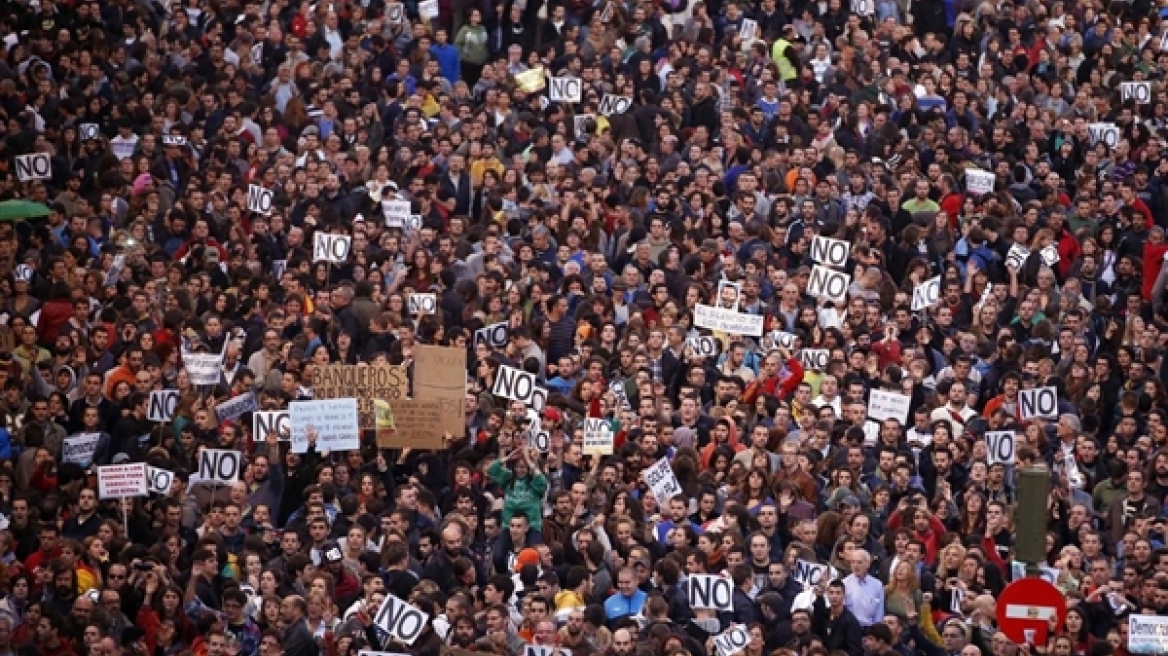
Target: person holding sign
519	474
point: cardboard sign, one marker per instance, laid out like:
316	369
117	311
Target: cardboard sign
162	405
519	385
437	406
565	89
1038	403
710	592
364	383
611	104
889	405
236	407
203	368
402	621
728	321
335	422
34	166
331	248
926	294
260	199
420	304
220	466
121	481
832	252
1001	446
80	448
532	80
828	284
662	481
494	335
703	346
598	438
271	421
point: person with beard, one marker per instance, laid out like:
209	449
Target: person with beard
440	566
64	589
675	597
571	635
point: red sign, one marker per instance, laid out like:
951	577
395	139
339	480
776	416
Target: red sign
1026	607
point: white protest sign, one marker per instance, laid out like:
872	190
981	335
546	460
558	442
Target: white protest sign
203	368
88	131
159	480
494	335
271	421
565	89
428	9
926	294
519	385
260	199
335	422
121	481
395	12
732	641
236	407
396	212
413	223
115	271
402	621
979	182
80	448
728	321
702	346
22	273
162	405
1108	133
1141	92
544	650
598	437
778	339
662	481
1049	255
808	574
829	284
888	405
1147	634
330	248
832	252
257	53
749	30
176	140
710	592
612	104
580	123
34	166
1017	256
814	359
1001	446
1035	403
220	466
863	7
423	304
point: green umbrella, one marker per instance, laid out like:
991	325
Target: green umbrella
16	209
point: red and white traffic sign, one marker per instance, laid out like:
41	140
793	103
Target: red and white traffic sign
1026	607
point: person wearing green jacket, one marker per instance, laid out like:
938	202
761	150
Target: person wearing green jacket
472	43
523	486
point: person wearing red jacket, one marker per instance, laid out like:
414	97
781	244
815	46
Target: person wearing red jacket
925	527
55	314
774	381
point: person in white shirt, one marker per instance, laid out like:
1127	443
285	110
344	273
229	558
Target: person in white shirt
863	594
955	411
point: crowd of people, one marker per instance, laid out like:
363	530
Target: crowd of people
995	171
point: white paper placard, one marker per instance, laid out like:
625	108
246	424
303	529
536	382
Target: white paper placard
335	421
829	251
728	321
884	405
80	448
121	481
828	284
661	480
